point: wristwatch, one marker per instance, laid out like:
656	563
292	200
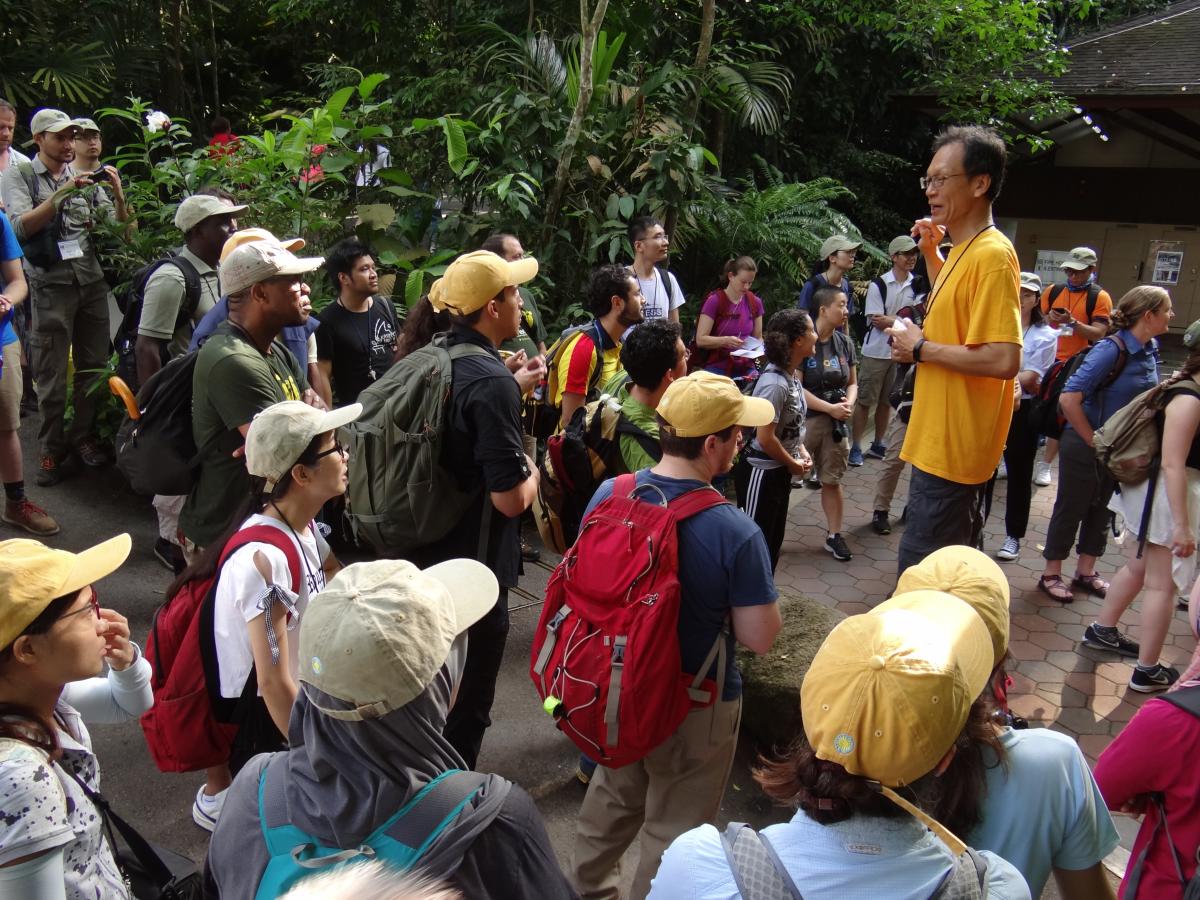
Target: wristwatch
916	350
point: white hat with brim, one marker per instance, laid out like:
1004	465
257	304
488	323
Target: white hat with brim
280	433
258	261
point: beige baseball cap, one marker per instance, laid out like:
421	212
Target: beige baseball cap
32	575
901	244
85	124
280	433
838	242
1080	258
376	636
53	120
256	261
1031	281
195	209
704	403
246	235
475	278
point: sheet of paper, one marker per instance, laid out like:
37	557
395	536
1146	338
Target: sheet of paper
752	348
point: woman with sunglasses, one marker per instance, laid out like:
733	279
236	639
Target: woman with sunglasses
64	660
296	466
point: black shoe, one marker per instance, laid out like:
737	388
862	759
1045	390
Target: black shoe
836	544
170	555
1158	678
529	553
879	521
1110	639
91	454
813	483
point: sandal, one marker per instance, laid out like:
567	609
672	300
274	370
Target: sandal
1055	588
1093	584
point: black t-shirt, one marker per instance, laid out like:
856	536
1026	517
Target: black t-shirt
829	366
359	345
484	449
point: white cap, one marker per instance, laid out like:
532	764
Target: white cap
198	207
281	432
257	261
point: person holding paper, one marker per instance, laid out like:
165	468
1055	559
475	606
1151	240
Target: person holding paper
730	315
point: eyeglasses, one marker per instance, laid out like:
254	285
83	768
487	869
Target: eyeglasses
336	448
92	606
936	181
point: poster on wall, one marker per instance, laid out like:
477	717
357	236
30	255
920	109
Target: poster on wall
1048	266
1164	262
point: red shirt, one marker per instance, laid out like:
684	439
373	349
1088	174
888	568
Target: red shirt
1157	752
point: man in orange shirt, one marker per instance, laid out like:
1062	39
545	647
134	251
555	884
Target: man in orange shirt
1080	309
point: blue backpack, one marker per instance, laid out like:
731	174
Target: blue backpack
400	842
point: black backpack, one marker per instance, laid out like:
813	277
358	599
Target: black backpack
1045	417
130	301
1093	295
1187	699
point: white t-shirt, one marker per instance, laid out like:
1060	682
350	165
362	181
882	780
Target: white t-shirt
659	298
241	589
898	296
1038	347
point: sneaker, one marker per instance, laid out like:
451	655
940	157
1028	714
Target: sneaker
585	769
1002	471
50	472
1041	474
1098	637
1009	550
813	483
1157	678
879	522
797	483
170	555
91	453
856	457
877	450
1181	603
836	544
206	810
29	516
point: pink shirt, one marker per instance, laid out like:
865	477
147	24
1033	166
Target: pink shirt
1157	752
736	321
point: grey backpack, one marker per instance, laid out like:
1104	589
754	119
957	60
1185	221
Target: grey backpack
760	875
400	496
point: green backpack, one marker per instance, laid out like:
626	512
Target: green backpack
400	496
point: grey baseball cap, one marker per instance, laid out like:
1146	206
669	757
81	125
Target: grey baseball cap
53	120
1080	258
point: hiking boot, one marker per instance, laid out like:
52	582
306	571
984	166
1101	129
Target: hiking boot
1009	550
879	522
1156	678
856	457
1098	637
836	544
206	810
876	450
91	453
170	555
25	514
1041	474
50	472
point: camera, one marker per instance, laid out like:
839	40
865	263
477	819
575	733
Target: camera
836	395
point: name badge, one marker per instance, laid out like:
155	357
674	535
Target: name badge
70	250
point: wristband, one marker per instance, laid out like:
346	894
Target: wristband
916	350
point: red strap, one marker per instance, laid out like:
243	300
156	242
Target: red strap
687	505
266	534
624	485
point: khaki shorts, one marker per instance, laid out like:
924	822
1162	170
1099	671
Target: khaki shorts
10	388
829	457
875	380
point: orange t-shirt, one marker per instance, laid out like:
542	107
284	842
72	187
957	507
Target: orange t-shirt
1075	302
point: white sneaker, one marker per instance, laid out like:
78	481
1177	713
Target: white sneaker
1002	471
1010	549
206	810
1041	474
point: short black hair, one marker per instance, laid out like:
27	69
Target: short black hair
685	447
495	243
215	190
785	328
606	282
827	296
649	352
983	152
638	228
341	257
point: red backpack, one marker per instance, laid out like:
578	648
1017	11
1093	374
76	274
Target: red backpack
182	728
605	657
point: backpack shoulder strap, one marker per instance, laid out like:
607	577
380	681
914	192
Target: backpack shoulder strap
1055	290
1119	366
465	349
647	443
693	502
191	286
882	288
624	485
967	878
266	534
756	868
31	180
598	368
1093	296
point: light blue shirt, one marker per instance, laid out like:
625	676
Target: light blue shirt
1140	374
862	858
1043	809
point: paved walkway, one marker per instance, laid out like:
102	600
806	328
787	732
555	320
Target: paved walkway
1056	681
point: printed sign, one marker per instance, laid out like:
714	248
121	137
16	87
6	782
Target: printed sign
1048	266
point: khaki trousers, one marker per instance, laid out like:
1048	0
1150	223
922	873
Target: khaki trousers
677	787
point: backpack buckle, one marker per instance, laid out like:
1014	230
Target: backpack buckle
650	599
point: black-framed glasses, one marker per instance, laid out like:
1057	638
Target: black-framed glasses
336	448
93	605
936	181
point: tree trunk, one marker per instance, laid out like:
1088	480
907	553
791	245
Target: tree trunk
589	28
708	16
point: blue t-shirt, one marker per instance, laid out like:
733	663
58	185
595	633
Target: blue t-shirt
723	562
9	250
861	857
294	337
1043	808
1140	374
804	302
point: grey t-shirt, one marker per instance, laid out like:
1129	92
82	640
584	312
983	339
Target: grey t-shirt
786	395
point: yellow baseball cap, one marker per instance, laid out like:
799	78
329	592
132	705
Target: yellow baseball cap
32	575
970	575
889	691
704	403
475	278
246	235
